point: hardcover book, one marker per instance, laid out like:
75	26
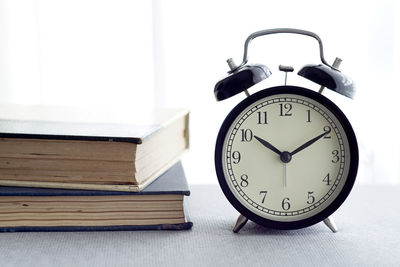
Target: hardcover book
160	206
89	154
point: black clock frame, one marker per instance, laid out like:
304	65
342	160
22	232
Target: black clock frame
337	202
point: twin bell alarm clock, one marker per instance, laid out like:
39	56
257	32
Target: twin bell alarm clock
286	157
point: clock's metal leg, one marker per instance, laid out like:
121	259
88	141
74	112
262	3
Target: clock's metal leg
331	224
241	221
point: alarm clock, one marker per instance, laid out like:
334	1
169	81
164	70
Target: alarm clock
286	157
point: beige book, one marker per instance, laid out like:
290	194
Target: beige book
59	152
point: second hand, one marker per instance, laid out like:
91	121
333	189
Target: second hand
284	175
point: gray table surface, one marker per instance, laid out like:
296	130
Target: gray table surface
368	222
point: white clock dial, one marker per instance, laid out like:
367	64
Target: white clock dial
285	157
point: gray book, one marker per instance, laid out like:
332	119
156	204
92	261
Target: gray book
160	206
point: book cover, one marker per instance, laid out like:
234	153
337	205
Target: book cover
172	182
68	123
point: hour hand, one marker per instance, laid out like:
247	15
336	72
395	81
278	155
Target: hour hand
268	145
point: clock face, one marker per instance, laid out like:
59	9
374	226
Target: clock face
286	157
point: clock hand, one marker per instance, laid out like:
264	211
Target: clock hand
284	174
268	145
309	143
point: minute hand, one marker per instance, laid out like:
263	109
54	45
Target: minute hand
309	143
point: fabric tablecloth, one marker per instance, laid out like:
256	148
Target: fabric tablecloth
368	223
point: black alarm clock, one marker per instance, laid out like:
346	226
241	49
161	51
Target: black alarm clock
286	157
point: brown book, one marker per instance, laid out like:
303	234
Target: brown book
122	156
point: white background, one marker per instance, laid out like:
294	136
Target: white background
171	53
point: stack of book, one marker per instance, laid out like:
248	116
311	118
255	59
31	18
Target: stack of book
72	175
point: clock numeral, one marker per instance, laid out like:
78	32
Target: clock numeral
335	154
310	197
285	203
262	117
247	135
327	179
285	109
265	194
308	115
244	180
236	157
327	129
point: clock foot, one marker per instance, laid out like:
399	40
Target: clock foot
241	221
331	224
